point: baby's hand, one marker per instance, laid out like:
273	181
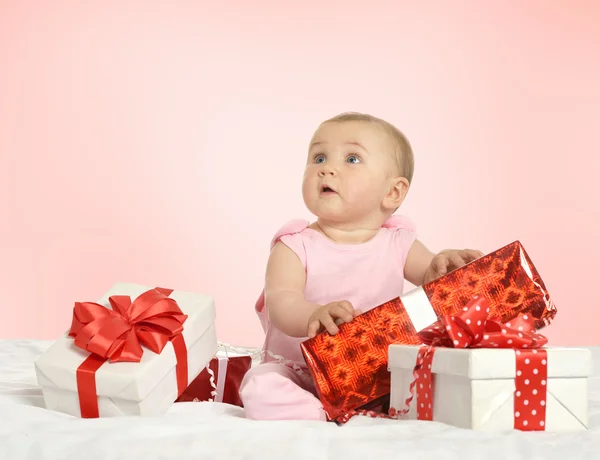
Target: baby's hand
449	260
324	317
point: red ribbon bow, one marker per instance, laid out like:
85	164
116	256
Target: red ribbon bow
473	329
152	319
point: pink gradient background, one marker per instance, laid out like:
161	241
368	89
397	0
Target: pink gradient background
163	142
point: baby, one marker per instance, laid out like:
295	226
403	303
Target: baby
353	258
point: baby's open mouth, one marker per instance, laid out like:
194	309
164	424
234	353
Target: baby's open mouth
327	189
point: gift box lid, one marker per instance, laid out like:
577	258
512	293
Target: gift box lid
491	363
57	367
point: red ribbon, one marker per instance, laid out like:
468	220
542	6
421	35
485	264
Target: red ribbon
117	335
473	329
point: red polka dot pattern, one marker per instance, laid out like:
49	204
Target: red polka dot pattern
424	384
530	394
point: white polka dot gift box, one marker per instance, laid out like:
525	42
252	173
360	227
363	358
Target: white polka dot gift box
476	373
131	353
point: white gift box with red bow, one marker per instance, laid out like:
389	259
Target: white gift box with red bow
147	387
477	388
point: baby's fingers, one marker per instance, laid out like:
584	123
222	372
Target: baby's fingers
313	328
346	306
342	313
470	255
456	261
329	324
440	264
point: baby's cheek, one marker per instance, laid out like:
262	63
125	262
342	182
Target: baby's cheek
367	189
308	186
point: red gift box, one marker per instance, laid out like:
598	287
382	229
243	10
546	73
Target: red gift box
223	385
350	368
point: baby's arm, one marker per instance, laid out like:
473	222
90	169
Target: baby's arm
423	266
286	306
418	261
284	292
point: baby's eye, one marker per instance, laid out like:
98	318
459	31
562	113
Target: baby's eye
320	159
353	159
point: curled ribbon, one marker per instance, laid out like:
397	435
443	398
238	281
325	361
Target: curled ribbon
472	328
117	335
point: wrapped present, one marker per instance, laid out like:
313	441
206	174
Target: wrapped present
350	368
220	381
481	374
131	353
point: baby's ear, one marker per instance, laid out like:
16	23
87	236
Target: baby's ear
396	193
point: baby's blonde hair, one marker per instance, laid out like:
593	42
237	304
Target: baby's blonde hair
403	154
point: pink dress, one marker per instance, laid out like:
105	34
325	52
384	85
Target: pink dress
366	275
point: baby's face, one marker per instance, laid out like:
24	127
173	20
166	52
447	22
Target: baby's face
348	170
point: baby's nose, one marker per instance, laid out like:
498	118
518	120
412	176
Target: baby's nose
325	171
